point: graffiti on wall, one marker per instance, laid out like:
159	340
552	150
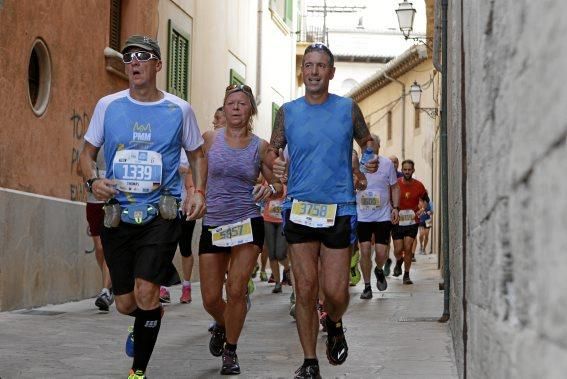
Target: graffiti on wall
80	123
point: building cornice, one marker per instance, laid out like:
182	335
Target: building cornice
397	67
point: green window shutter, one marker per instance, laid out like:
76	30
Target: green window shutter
235	78
288	12
275	109
178	62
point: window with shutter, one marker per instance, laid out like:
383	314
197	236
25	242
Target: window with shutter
114	33
178	62
275	109
235	78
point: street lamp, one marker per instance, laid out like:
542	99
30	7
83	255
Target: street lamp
405	13
415	94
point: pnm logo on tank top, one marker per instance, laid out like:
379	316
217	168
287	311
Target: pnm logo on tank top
141	134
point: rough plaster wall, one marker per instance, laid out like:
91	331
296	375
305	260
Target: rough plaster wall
516	147
454	156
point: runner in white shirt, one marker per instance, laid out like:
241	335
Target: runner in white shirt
375	218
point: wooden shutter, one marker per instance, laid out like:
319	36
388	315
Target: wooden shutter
178	62
114	35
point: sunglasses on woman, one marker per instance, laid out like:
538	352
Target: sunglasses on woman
141	56
239	87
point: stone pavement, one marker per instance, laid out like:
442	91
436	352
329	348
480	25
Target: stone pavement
394	335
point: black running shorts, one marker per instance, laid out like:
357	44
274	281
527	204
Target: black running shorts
339	236
206	242
381	231
187	228
400	232
141	251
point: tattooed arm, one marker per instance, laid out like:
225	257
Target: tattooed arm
362	136
275	159
361	132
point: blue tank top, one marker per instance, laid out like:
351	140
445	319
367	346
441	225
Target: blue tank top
319	139
231	176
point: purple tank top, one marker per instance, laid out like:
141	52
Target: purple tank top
231	176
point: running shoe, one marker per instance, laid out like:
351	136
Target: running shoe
251	286
129	347
387	266
218	338
104	300
263	276
307	372
255	271
381	282
185	295
230	365
355	275
407	279
292	297
398	269
323	321
271	279
286	278
292	310
413	258
355	258
421	252
138	374
366	294
277	288
164	296
337	349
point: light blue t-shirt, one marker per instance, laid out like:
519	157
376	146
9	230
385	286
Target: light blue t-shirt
143	133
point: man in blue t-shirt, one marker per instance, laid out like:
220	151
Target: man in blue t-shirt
320	207
143	130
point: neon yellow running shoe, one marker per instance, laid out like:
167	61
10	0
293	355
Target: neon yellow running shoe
138	374
355	258
251	287
355	275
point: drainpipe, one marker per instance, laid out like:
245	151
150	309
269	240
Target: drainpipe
403	113
259	54
444	170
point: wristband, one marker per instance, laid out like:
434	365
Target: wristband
273	189
200	191
396	208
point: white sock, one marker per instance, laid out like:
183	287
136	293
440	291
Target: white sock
186	283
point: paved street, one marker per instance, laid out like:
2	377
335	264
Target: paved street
394	335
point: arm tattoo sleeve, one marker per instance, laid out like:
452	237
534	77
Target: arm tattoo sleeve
278	134
361	132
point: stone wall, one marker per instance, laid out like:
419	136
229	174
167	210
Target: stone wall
43	259
46	256
506	73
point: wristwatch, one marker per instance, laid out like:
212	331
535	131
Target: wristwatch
273	189
89	184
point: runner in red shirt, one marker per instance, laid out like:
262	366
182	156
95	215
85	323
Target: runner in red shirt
403	234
